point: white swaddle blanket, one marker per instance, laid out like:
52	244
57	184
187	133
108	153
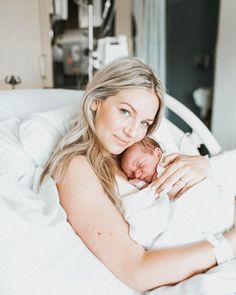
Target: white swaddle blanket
157	223
205	208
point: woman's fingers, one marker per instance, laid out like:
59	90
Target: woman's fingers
176	189
169	182
169	159
170	176
181	173
185	188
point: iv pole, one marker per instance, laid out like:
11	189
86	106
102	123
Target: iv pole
90	39
90	31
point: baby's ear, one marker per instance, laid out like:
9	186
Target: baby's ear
157	153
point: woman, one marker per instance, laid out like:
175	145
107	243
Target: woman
122	104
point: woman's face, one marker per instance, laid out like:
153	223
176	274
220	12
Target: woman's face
123	119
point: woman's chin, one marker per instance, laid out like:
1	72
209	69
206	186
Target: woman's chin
116	150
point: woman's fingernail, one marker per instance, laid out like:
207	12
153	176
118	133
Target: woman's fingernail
157	195
153	188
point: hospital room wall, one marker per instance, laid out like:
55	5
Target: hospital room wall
224	103
191	32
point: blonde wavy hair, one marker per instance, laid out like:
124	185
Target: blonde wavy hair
122	73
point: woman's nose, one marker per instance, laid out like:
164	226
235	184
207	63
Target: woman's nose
132	129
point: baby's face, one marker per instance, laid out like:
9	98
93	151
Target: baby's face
141	164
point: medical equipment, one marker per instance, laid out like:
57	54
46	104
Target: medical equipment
108	49
93	19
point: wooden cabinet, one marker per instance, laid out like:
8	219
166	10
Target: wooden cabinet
25	49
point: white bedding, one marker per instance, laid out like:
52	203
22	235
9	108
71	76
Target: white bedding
208	207
156	223
39	252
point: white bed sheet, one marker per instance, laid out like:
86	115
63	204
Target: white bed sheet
39	251
205	208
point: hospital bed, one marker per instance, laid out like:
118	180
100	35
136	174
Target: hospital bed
40	253
20	103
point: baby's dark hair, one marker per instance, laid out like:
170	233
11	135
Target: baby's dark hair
150	143
146	143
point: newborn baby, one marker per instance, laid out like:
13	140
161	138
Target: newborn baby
140	162
158	222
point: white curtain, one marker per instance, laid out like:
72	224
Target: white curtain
150	41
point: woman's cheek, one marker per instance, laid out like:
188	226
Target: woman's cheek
142	133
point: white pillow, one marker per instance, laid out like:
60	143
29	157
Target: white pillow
164	136
40	132
174	139
13	158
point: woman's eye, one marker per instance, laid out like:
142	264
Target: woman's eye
145	124
125	112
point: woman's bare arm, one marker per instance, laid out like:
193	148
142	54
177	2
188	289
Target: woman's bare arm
102	228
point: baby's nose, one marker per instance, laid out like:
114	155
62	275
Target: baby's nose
138	173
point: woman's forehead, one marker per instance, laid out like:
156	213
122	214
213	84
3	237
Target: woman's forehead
142	100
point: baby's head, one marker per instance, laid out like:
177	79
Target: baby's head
141	159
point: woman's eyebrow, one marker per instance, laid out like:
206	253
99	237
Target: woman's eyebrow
128	104
134	110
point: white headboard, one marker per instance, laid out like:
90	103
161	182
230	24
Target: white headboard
20	102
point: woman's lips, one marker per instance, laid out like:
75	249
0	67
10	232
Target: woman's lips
121	141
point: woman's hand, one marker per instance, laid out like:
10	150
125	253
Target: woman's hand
181	173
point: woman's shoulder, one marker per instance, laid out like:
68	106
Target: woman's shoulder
79	183
80	162
79	170
77	161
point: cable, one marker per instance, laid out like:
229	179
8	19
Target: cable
106	9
